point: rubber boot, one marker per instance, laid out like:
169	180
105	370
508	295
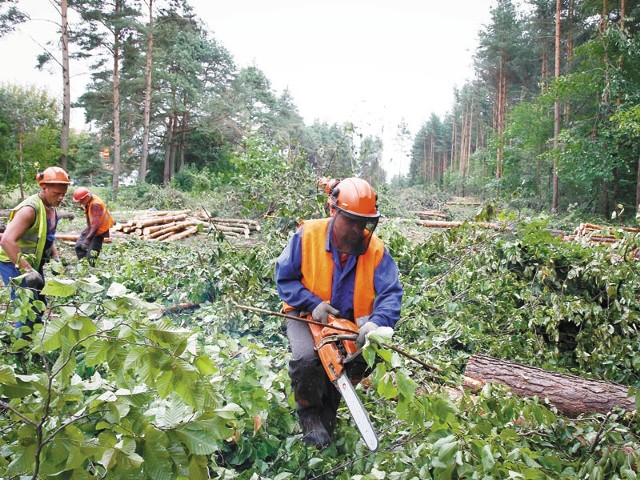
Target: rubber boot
314	432
329	410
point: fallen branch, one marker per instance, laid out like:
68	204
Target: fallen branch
452	224
156	314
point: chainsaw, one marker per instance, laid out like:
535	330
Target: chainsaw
335	349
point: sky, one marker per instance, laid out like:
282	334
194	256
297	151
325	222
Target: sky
371	62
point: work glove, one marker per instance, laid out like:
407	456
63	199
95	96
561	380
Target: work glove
365	329
33	279
322	311
362	320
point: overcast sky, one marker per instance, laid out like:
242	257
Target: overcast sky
371	62
341	58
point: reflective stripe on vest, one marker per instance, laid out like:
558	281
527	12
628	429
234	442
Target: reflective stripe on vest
317	267
33	240
106	220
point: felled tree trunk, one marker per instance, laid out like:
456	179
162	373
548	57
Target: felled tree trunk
572	395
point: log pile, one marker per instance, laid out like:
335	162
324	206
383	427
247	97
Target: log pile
590	232
171	225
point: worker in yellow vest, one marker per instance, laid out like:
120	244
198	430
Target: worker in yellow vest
99	221
29	239
335	266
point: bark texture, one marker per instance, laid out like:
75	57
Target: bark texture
571	395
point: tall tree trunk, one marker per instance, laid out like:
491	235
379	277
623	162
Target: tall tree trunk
501	107
556	113
470	140
432	159
606	210
116	104
173	145
167	153
424	161
66	84
569	34
147	99
183	133
454	134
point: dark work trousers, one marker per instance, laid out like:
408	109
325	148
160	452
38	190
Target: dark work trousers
314	393
8	271
95	245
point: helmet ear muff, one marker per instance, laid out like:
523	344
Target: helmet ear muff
333	199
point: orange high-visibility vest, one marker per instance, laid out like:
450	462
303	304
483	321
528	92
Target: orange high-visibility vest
106	220
317	267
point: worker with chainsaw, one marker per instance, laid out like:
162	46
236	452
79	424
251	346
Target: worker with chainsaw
99	221
335	266
29	239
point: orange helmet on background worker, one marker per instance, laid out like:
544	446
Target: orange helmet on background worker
80	194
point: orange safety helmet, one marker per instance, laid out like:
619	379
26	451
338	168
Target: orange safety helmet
53	175
80	194
356	198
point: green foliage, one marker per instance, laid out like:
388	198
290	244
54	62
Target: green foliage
145	196
123	390
263	183
29	134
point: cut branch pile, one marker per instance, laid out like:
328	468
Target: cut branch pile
171	225
585	232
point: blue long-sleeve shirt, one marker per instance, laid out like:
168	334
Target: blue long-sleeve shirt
288	275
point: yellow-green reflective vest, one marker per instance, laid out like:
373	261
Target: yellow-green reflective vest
33	241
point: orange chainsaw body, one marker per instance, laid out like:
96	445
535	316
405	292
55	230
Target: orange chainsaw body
330	355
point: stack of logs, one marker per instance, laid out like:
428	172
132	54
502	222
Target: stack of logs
170	225
597	233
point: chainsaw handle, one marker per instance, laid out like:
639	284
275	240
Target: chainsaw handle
335	338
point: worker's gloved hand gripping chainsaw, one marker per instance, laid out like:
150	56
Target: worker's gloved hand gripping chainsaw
336	347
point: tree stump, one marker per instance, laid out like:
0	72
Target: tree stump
571	395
